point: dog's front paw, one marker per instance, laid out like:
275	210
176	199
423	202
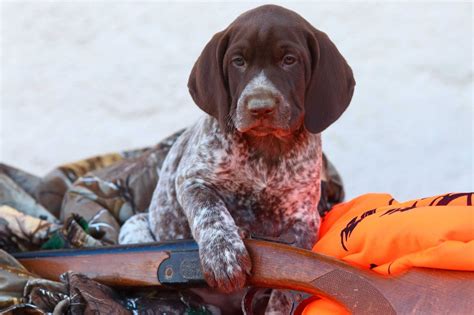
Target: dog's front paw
225	263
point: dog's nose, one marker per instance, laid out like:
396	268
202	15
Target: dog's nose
262	105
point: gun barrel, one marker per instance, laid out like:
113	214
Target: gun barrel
274	265
130	265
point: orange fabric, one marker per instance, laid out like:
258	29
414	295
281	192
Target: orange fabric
376	232
324	307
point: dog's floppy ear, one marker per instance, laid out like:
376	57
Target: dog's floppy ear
207	82
330	89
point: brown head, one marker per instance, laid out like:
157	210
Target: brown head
271	73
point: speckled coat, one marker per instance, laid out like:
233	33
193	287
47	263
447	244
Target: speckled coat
270	83
213	183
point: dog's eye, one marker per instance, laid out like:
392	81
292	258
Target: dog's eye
238	61
288	60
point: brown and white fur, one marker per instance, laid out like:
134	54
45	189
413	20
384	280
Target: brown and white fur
270	83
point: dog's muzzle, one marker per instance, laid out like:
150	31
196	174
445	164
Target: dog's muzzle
262	105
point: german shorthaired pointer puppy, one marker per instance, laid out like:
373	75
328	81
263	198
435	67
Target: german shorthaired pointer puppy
270	83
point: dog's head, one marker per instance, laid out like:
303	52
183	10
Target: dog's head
269	73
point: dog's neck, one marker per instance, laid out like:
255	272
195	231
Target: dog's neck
270	150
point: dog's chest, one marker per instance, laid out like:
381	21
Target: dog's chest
257	191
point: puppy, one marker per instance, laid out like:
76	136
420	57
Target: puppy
269	83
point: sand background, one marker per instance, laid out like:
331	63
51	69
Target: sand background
82	78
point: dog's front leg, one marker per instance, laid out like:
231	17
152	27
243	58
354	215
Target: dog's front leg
224	258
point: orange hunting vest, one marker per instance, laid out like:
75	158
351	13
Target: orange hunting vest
374	231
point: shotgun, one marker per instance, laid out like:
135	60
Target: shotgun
274	265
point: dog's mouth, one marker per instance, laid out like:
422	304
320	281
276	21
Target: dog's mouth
262	130
263	127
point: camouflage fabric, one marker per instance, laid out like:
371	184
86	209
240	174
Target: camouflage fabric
13	278
15	194
22	232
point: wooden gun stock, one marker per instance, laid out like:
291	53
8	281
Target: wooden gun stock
274	265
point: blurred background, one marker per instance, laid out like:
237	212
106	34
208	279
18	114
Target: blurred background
84	78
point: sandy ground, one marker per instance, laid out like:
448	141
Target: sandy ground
81	78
